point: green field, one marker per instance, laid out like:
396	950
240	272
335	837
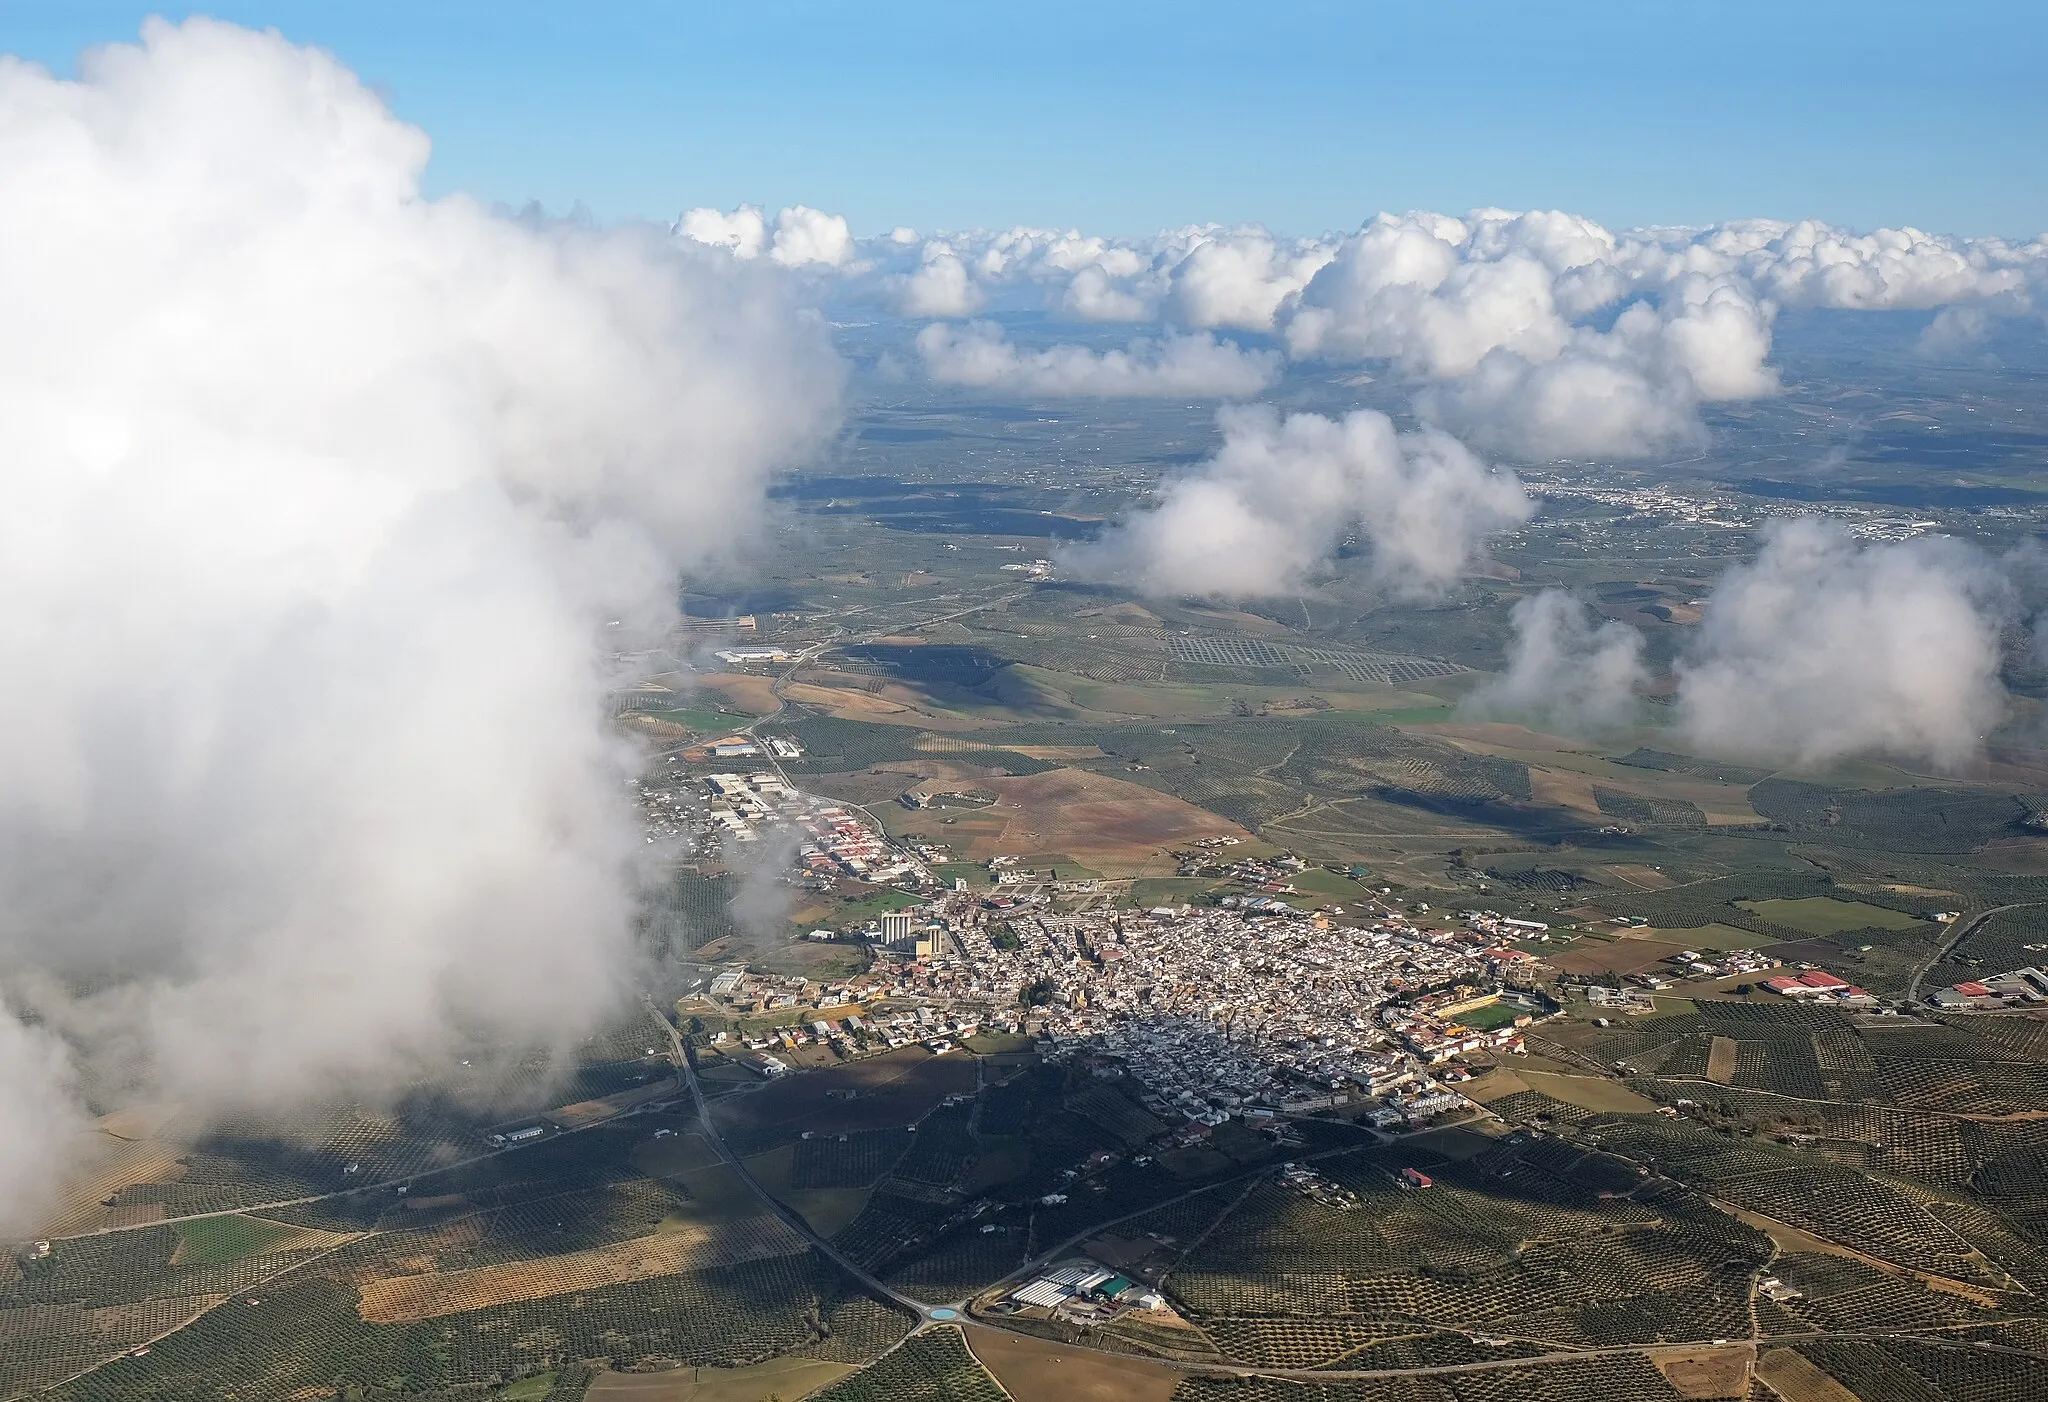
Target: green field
1715	937
1491	1016
1316	881
1171	890
1824	915
213	1241
869	906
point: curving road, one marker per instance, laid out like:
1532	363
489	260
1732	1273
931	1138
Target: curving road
1959	931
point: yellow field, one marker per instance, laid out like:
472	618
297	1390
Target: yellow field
755	695
1494	1085
843	703
110	1165
139	1121
1795	1379
1589	1093
1558	788
1707	1372
1031	1368
1721	1060
689	1247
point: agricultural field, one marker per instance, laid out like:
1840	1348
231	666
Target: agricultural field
1029	1367
1618	1193
1103	823
1824	915
934	1366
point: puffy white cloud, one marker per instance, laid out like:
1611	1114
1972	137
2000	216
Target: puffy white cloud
744	231
941	286
319	494
1487	313
1095	296
1175	365
1437	295
1567	667
1267	513
1824	647
806	236
1628	391
1536	334
803	237
1810	264
1241	278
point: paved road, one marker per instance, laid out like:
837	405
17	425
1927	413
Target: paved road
923	1312
1958	932
680	1054
382	1185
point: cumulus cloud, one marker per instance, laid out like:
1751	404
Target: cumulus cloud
1267	514
941	286
1824	647
806	236
1629	391
1241	278
319	494
1811	264
744	231
803	237
1537	334
1567	667
1201	366
1487	314
1541	333
1094	295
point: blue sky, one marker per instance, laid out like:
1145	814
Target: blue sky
1128	117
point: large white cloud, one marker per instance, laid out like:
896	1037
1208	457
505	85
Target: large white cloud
1825	647
941	286
319	496
1487	315
1538	334
1267	513
1811	264
744	231
1199	366
1631	390
1241	278
1567	667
